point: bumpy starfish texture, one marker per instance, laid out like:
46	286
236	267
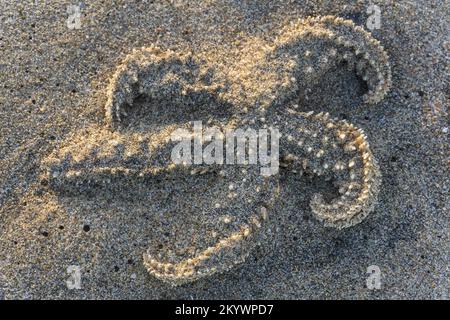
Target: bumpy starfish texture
229	201
160	75
264	73
232	248
337	151
226	208
307	49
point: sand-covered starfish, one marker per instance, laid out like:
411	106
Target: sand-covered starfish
205	218
208	218
335	150
259	74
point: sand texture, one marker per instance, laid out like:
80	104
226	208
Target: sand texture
86	179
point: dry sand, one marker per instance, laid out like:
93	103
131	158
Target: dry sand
53	88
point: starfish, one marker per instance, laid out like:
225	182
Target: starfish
261	74
218	213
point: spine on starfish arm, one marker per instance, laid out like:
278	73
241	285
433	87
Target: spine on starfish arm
338	152
124	84
208	261
148	70
359	195
368	55
155	73
375	61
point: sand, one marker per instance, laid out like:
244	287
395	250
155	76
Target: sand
55	83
